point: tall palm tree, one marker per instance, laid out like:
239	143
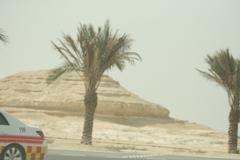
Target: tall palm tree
224	69
93	52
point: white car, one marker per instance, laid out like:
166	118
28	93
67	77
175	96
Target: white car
19	141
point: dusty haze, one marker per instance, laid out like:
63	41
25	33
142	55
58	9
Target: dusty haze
172	36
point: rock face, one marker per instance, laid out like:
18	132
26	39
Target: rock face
30	90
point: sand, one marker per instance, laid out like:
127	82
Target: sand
129	134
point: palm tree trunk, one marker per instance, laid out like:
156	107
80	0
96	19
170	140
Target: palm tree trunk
90	102
233	129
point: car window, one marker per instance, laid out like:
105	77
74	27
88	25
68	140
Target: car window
3	120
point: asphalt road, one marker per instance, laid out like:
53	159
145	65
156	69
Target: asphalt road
83	155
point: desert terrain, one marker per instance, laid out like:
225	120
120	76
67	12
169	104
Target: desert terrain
123	121
129	134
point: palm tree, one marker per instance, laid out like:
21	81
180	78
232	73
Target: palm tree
3	37
225	71
93	52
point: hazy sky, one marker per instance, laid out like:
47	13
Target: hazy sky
172	36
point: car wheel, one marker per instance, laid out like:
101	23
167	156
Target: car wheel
13	152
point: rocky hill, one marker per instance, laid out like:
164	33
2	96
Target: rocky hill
30	90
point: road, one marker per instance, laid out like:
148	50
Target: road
86	155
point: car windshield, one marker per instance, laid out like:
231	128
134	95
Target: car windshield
13	120
3	120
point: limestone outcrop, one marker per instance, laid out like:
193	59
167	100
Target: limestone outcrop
30	90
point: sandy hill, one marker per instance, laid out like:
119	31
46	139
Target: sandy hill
30	90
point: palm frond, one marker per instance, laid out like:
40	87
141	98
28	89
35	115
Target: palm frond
237	82
95	51
55	74
59	71
211	76
3	37
224	69
223	65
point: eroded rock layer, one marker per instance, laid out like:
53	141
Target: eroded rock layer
30	90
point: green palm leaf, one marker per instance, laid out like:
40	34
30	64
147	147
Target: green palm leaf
3	37
95	51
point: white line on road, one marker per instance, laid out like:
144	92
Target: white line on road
138	156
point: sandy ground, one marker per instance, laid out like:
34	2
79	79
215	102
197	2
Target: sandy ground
127	134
